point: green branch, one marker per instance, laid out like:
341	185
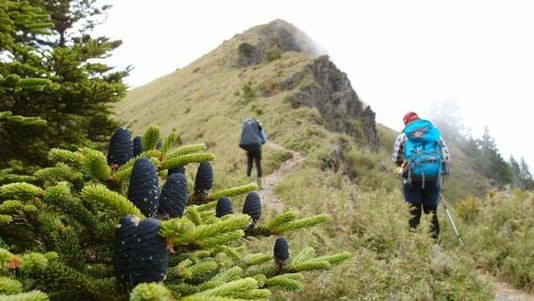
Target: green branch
29	296
21	191
288	282
187	149
232	192
186	159
95	164
291	225
183	231
102	195
244	288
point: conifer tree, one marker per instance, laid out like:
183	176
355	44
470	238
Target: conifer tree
491	162
50	40
516	173
526	177
98	228
18	22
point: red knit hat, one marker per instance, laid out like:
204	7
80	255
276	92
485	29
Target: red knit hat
409	117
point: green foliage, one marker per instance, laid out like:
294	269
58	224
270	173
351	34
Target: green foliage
273	54
498	235
276	158
60	97
19	18
23	191
73	248
150	291
388	262
9	286
246	50
151	138
249	92
521	176
29	296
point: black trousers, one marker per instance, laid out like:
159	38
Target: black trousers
254	156
415	210
423	198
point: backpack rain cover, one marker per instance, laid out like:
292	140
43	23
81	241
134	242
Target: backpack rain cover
423	151
250	137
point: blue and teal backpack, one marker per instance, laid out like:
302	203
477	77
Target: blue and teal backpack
423	151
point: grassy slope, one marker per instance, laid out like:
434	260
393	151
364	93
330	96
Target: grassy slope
205	102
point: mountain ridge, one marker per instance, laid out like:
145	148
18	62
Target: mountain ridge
276	73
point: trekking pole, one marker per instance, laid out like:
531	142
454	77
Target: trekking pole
450	219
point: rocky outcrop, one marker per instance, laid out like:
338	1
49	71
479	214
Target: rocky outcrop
276	35
332	94
330	90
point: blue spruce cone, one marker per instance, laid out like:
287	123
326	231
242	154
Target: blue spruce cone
224	207
281	250
173	197
150	258
143	190
204	178
124	237
252	206
137	146
177	169
120	148
281	253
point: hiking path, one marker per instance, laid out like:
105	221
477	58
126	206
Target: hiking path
503	291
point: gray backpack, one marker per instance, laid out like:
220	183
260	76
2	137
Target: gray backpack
250	135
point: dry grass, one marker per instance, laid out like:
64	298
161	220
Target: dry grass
206	103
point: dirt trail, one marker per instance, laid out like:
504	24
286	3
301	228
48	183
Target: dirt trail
503	291
270	181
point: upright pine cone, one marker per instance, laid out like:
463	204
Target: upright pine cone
204	179
143	190
120	148
173	197
150	258
224	207
252	206
137	146
177	169
281	251
124	237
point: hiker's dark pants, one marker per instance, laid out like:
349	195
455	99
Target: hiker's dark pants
254	156
423	198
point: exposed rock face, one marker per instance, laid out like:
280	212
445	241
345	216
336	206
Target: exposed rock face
330	91
277	34
332	94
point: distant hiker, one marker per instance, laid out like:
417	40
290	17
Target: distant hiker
421	155
252	138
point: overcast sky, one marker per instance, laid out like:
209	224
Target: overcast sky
398	55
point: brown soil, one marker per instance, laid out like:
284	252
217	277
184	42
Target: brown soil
503	292
270	181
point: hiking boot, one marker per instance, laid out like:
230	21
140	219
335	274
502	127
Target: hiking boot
259	182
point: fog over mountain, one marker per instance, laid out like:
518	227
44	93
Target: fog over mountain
399	56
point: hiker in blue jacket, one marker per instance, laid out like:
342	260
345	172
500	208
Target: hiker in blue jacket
420	177
252	139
